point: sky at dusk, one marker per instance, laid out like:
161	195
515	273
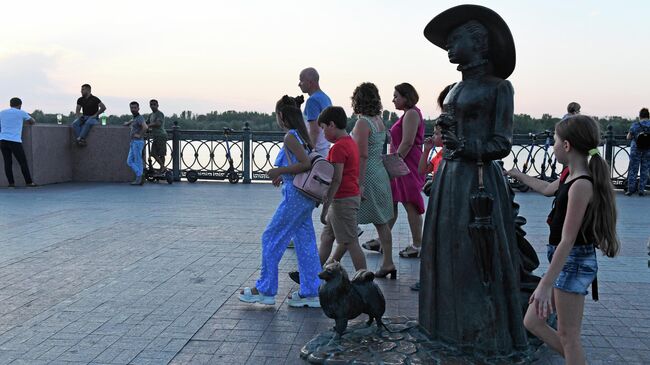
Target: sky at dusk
225	55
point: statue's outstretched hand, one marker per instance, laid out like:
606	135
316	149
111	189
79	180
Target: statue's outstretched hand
445	121
452	142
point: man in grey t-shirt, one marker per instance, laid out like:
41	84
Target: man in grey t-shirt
156	124
138	128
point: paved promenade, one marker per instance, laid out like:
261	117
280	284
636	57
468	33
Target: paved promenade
114	274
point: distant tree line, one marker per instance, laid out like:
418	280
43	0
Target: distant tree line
187	120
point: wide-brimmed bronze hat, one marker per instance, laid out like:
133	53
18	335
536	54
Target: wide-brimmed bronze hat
502	54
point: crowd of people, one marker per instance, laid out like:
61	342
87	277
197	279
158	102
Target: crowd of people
87	112
473	132
409	133
361	191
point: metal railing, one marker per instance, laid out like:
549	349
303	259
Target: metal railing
614	148
253	154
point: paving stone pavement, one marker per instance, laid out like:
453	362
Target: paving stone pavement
114	274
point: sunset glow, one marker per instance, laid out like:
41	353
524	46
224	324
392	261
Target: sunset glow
222	55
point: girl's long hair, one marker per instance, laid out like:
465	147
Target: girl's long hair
583	134
289	108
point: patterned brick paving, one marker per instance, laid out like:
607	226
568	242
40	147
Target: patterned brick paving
114	274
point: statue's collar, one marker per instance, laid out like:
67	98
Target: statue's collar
474	70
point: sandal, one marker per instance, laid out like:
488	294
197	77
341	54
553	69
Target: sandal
382	273
373	245
248	297
410	252
298	301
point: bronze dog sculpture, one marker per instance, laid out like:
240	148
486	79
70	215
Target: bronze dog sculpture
342	299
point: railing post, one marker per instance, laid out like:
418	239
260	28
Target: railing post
609	146
247	153
176	152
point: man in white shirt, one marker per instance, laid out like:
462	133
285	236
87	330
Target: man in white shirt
11	143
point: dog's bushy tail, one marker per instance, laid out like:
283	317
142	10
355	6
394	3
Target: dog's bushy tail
363	276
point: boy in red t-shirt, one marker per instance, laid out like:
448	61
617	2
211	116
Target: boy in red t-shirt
431	166
341	205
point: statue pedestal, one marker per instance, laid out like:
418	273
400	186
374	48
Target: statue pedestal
362	344
404	343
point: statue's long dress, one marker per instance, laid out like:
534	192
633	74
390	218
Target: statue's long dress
455	305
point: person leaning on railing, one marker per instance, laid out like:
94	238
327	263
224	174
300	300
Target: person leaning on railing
11	128
138	129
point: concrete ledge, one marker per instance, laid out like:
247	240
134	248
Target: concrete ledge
53	158
48	154
104	158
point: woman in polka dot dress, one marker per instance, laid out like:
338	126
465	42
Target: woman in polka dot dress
376	198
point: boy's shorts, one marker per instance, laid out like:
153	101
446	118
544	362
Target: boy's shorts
579	270
342	220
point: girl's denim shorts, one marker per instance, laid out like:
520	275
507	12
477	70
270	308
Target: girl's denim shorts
579	270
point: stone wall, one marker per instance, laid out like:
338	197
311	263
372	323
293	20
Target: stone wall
53	158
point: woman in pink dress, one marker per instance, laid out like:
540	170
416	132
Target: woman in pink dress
406	138
407	135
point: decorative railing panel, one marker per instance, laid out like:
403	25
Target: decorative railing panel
264	150
204	152
254	152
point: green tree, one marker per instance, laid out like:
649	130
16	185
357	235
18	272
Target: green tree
523	123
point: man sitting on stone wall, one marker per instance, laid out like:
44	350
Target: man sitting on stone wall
90	108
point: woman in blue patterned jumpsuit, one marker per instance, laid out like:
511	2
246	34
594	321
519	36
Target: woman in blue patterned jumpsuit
639	157
292	219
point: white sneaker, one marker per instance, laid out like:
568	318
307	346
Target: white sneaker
249	297
296	301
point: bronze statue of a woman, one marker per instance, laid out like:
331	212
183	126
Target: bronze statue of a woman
470	292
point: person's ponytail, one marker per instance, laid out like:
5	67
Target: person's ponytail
601	218
292	117
583	133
